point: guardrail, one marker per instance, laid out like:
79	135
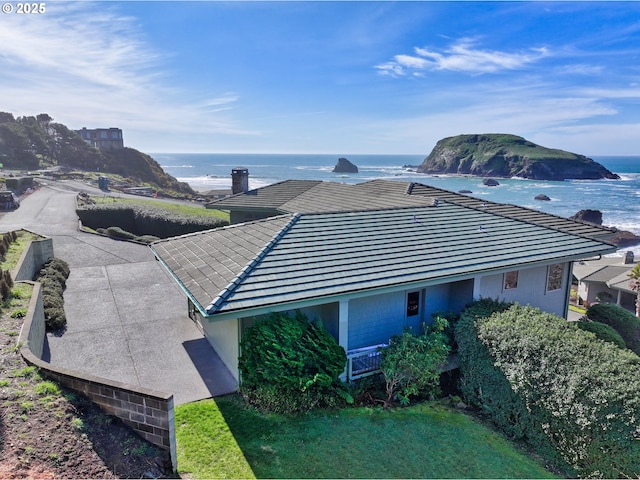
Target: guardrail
363	362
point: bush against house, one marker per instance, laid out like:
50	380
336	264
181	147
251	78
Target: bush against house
411	364
571	396
621	320
289	364
144	220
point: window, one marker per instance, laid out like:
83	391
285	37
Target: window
413	304
554	276
511	280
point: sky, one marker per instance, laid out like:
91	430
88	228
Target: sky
329	77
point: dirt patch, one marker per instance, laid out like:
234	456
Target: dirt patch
47	431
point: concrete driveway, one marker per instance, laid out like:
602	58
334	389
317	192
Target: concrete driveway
126	318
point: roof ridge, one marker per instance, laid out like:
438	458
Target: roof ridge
228	290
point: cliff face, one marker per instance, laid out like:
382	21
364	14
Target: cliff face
503	155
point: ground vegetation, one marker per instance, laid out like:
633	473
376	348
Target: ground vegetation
571	396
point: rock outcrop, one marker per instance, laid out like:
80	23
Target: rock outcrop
588	215
542	197
504	155
621	238
490	182
345	166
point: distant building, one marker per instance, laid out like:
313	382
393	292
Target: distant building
102	138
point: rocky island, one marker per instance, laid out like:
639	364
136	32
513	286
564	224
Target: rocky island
504	155
345	166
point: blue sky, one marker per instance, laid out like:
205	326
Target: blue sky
330	77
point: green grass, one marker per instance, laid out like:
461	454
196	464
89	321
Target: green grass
222	439
176	207
16	248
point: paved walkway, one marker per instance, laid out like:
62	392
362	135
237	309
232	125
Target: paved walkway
126	318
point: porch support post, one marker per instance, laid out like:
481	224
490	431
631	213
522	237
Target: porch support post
476	287
343	332
619	299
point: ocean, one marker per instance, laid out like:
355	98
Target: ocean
618	200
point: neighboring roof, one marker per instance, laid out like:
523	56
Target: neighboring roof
307	196
611	271
298	257
270	197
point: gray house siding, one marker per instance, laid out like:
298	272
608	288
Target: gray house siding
531	289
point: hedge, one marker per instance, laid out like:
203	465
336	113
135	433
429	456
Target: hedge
572	397
143	220
621	320
603	332
53	277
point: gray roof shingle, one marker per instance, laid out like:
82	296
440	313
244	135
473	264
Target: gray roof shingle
297	257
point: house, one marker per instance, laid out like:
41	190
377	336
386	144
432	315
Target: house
371	271
102	138
606	279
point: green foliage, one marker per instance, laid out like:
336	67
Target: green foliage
117	232
573	398
53	276
144	220
411	364
603	332
622	321
30	142
289	364
222	438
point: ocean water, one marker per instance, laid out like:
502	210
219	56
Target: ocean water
618	200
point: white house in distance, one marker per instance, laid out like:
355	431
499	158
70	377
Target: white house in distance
606	279
366	270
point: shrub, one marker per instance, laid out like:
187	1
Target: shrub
117	232
289	364
603	332
573	398
411	364
5	290
621	320
145	220
53	276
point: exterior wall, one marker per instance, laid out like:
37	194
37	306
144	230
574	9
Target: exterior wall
328	314
374	319
102	138
32	259
531	289
224	338
242	216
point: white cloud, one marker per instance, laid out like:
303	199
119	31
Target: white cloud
461	56
86	64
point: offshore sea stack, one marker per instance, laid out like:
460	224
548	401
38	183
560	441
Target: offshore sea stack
345	166
505	155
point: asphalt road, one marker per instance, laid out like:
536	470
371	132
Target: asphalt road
126	318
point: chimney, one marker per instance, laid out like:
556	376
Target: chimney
239	180
628	257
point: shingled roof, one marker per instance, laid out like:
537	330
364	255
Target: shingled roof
307	196
297	257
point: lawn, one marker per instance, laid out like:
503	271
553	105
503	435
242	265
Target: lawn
180	207
222	439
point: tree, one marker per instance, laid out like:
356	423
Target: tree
635	286
411	364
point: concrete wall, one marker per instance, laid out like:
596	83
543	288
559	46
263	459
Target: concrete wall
224	337
32	259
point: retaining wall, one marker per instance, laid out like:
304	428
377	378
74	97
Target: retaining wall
148	412
33	258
